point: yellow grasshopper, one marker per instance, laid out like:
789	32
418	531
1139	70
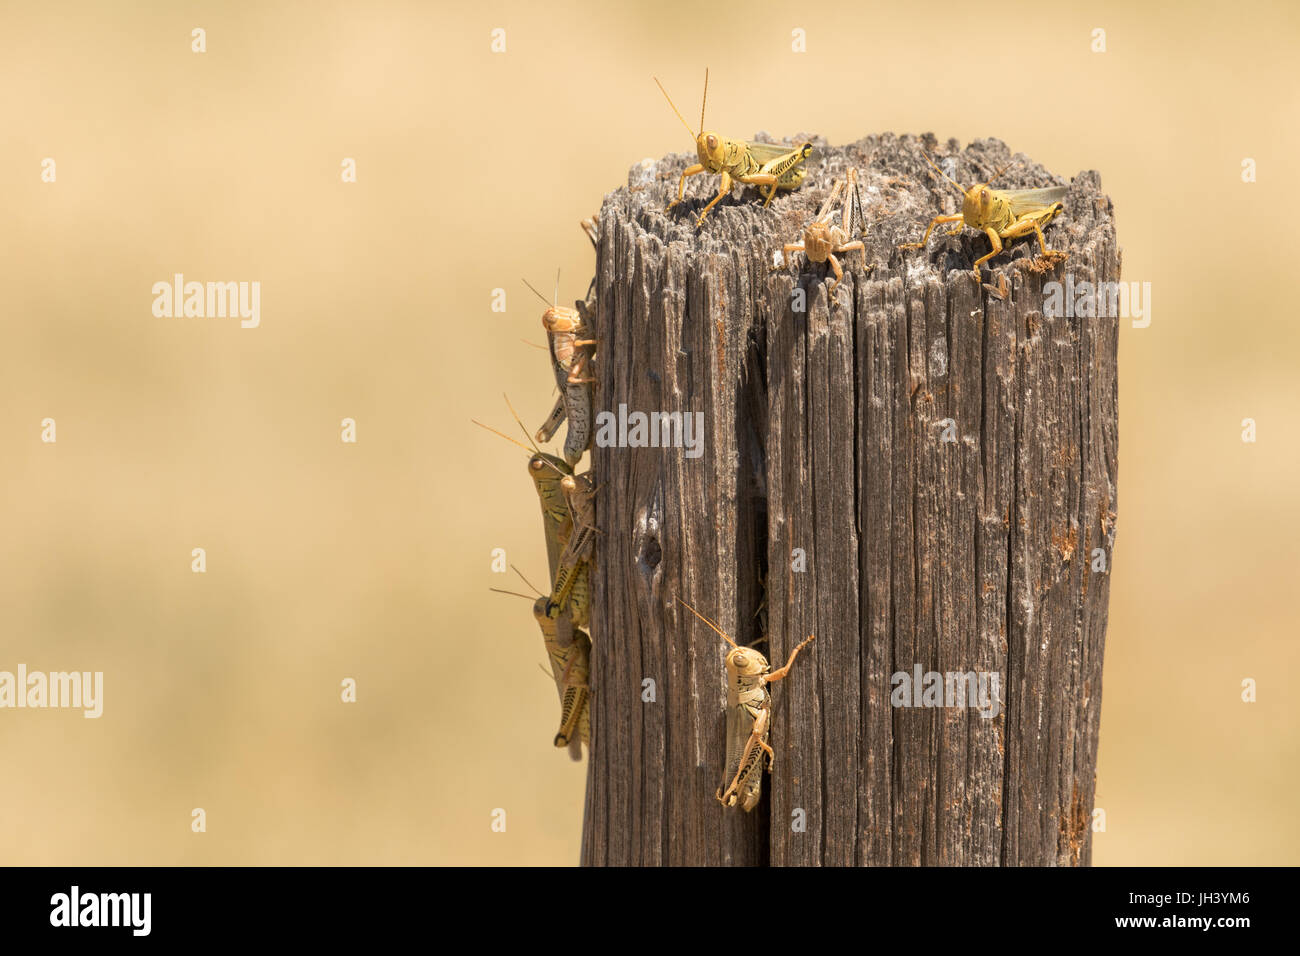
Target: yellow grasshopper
822	238
999	213
764	165
749	713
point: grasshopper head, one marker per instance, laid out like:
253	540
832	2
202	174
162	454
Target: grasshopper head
711	148
712	151
745	662
977	205
545	469
539	612
818	241
559	318
977	202
547	466
980	204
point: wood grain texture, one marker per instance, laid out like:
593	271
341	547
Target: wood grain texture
825	431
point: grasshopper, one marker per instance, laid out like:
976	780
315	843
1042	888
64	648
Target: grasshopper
571	670
999	213
580	497
764	165
822	238
749	712
549	473
570	360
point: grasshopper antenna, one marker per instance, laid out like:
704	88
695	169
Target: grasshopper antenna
956	185
675	110
515	593
525	580
531	447
715	627
705	101
512	441
538	294
520	423
556	300
1010	165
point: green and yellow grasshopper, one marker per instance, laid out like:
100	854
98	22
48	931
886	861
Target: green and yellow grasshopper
580	497
749	714
1000	213
765	165
563	497
571	670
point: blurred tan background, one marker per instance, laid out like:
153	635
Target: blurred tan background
328	560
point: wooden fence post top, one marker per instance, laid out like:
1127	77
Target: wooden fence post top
918	468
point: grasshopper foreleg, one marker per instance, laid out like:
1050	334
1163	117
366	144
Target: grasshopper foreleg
681	186
579	367
788	248
839	273
724	189
781	674
854	246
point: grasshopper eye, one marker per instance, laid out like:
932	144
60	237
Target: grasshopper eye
711	141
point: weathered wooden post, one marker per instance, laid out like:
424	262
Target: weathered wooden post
917	470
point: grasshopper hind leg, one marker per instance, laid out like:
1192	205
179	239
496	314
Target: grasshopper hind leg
929	229
1038	230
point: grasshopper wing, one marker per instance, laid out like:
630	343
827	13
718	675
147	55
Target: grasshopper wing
766	152
1030	200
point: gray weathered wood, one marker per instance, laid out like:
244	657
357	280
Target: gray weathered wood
824	431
